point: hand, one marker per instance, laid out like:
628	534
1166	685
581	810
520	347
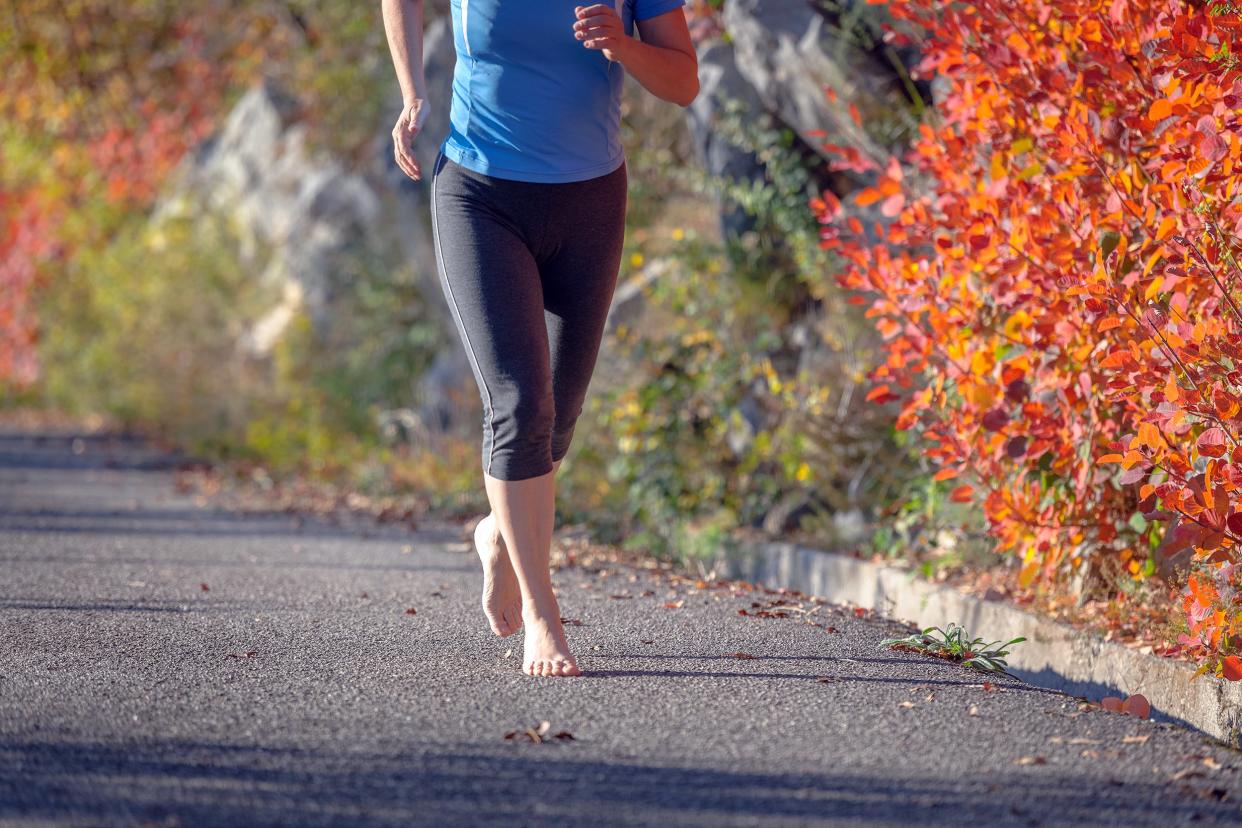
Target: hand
408	126
599	27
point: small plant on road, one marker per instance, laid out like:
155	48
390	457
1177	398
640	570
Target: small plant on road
955	644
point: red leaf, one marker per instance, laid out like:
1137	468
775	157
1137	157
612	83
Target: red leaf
1211	442
1231	668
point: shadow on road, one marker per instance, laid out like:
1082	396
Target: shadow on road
222	784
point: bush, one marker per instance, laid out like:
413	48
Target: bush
1054	284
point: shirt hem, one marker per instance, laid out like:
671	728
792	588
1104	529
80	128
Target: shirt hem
479	165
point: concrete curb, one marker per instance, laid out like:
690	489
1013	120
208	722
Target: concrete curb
1054	655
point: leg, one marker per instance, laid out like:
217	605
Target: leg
579	279
491	285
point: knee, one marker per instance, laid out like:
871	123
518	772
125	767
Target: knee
521	436
563	431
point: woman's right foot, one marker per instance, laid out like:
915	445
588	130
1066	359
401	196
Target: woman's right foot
502	598
546	652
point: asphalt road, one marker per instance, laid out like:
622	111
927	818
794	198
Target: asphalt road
164	663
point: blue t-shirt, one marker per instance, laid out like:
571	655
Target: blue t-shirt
530	102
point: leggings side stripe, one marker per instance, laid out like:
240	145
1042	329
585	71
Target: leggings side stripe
435	234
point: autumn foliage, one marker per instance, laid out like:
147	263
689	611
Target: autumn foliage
1056	277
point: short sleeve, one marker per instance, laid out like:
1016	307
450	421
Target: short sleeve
644	9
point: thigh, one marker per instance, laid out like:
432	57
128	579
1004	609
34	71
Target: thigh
492	284
587	223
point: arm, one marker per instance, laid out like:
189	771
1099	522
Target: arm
403	24
664	61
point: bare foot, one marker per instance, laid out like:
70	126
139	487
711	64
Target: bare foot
502	599
545	652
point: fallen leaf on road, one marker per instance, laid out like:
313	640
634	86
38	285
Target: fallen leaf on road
1137	705
860	612
621	595
1090	754
1135	740
1113	704
1211	763
437	595
974	710
647	593
1187	773
1031	760
647	641
411	611
538	734
204	588
990	687
743	612
675	604
508	652
906	704
741	655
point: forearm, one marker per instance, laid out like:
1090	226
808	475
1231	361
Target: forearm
666	73
403	24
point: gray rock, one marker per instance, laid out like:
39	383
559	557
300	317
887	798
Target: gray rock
297	213
721	82
788	54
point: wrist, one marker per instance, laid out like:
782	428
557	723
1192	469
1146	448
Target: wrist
624	50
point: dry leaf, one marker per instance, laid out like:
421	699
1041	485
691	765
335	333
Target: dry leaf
1211	763
1137	705
647	641
675	604
204	588
411	611
741	655
974	710
906	704
1031	760
1135	740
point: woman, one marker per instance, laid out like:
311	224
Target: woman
528	217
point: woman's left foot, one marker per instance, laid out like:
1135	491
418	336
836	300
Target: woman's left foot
502	598
546	653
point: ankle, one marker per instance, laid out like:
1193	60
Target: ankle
540	607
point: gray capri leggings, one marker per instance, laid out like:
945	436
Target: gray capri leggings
528	270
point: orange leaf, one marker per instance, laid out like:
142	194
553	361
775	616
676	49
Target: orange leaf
962	494
1160	109
1231	668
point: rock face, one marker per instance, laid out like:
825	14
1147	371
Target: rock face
720	82
301	214
789	53
307	211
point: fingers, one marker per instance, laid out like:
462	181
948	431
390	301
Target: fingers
405	157
403	135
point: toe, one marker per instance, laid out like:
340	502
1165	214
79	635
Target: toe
509	625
